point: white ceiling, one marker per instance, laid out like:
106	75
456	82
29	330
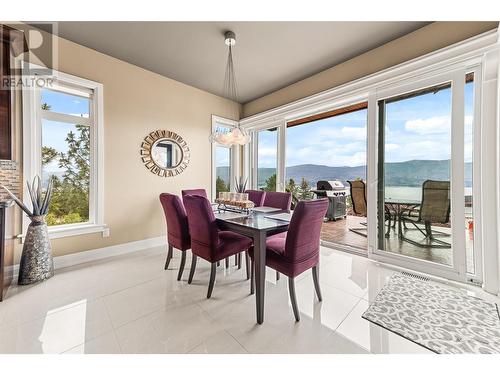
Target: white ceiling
267	55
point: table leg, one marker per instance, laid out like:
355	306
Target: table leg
259	243
400	228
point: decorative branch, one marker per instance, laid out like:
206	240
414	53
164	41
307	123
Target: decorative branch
39	201
240	186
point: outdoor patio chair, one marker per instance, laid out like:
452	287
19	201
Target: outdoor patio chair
358	199
435	208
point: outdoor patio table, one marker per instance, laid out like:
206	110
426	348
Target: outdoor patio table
398	206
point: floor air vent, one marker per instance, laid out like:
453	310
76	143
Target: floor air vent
418	277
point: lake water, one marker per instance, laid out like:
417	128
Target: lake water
413	193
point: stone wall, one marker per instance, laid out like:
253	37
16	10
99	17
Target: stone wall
9	177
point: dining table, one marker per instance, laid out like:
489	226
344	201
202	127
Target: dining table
257	224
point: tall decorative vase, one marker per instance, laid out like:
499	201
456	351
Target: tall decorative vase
36	260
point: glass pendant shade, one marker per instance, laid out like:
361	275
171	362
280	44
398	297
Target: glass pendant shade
237	135
230	136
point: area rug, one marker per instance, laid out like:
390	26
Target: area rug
441	319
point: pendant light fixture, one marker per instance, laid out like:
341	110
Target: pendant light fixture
237	135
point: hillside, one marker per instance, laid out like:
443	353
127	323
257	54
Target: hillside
410	173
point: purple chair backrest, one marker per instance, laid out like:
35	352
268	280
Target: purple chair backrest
201	192
256	196
177	223
278	200
202	223
303	235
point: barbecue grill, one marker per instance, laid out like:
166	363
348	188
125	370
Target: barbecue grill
336	193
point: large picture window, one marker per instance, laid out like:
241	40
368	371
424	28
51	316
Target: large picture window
267	159
222	169
65	155
430	133
224	159
62	131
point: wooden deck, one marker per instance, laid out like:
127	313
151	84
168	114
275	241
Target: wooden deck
337	232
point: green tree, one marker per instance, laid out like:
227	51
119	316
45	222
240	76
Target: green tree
220	186
48	154
270	183
70	197
304	190
76	161
292	188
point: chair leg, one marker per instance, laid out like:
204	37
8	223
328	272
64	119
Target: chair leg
252	277
388	218
193	268
293	298
218	263
358	231
316	282
247	264
227	263
428	235
181	268
277	276
213	270
238	260
169	256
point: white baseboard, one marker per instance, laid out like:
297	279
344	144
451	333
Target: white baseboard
102	253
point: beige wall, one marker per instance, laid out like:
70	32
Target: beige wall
420	42
137	102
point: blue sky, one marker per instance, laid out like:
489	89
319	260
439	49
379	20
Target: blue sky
417	128
66	103
222	156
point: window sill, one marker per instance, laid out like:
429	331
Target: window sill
74	230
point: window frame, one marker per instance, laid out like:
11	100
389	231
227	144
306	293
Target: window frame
456	271
32	143
280	148
234	155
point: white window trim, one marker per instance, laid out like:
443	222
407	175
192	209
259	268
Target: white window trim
32	155
234	154
280	150
480	53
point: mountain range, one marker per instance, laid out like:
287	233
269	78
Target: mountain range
410	173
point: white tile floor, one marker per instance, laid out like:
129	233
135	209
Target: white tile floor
129	304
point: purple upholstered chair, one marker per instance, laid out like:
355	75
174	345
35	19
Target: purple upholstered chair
256	196
297	250
177	228
201	192
207	241
278	200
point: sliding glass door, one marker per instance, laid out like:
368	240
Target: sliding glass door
424	177
421	142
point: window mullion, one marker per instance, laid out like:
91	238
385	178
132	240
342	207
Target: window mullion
61	117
